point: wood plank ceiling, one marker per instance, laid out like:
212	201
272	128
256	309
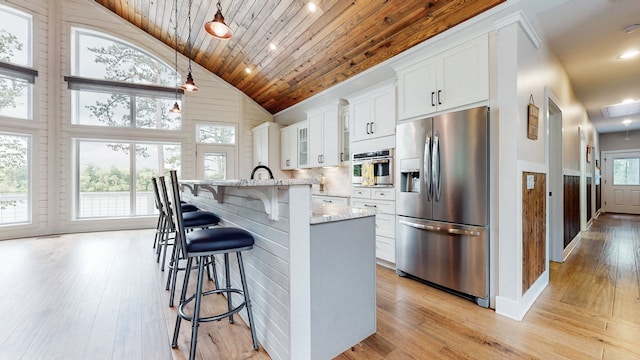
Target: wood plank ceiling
314	50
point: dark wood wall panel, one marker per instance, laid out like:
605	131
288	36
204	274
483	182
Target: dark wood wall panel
589	197
571	208
598	198
534	229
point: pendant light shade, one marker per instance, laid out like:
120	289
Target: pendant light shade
217	27
189	85
176	108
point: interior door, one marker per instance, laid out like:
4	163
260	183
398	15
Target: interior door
215	162
621	188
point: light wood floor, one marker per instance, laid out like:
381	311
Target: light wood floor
101	296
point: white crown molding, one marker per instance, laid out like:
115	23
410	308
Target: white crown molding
520	19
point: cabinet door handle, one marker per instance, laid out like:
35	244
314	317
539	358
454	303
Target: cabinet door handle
372	127
439	98
288	162
433	101
368	128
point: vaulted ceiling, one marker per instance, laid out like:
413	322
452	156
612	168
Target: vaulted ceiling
313	50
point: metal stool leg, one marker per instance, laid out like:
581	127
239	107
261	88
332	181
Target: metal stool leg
183	296
228	278
247	300
196	311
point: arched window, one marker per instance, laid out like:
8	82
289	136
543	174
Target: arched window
116	84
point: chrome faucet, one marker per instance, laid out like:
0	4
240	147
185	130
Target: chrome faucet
261	167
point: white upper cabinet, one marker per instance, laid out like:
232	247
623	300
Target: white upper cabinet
453	78
324	136
266	144
289	147
373	113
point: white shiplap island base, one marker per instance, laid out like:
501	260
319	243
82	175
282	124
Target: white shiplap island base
311	272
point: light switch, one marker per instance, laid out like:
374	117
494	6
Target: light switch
530	182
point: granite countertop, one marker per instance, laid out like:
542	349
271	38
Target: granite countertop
250	182
326	212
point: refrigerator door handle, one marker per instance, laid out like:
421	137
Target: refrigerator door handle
419	226
426	162
463	232
435	164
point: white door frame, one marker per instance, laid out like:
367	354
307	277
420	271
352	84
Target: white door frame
555	180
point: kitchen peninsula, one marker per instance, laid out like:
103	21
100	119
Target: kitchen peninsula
311	272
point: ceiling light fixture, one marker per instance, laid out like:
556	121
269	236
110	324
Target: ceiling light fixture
631	28
272	46
176	107
189	85
312	6
217	27
247	70
629	54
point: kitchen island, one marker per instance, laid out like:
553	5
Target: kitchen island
311	272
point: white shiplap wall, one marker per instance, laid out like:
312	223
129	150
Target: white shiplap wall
53	178
271	264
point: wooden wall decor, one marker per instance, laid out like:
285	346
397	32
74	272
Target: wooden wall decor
532	119
534	227
571	208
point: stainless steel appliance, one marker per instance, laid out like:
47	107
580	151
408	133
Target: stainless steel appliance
443	201
381	165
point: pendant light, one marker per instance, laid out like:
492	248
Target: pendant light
176	107
189	85
217	27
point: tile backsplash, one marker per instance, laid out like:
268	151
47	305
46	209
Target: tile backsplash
337	179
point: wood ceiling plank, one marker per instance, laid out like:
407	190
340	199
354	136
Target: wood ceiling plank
346	51
257	27
446	18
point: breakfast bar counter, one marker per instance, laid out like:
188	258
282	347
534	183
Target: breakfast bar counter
311	272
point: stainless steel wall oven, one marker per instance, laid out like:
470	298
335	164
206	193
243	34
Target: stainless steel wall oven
373	168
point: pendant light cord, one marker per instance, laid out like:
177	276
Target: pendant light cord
189	36
175	38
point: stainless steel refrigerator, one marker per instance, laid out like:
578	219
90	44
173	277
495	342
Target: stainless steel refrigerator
443	201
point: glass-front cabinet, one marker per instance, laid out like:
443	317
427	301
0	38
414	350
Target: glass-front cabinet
303	144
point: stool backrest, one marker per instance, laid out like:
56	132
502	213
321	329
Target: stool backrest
159	206
176	209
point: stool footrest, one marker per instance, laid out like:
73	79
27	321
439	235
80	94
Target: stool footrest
217	317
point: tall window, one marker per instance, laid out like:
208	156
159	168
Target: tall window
14	179
115	84
106	187
16	73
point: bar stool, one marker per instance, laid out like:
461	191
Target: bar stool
192	220
200	245
162	215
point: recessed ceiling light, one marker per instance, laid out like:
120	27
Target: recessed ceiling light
619	110
629	54
247	70
626	122
272	46
312	6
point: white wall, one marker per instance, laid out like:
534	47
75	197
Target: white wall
216	101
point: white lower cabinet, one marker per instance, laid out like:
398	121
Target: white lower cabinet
329	199
382	199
